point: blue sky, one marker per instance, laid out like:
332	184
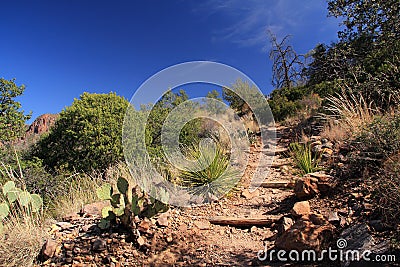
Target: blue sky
60	49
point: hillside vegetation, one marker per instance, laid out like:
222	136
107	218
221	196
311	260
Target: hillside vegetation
347	93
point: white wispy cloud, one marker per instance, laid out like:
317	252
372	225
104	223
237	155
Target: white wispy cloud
249	20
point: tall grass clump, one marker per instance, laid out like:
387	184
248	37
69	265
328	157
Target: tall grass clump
351	112
211	171
23	230
303	157
387	189
80	190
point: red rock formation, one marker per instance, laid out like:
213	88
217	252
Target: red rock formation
42	124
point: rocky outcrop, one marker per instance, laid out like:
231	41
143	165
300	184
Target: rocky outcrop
42	124
312	184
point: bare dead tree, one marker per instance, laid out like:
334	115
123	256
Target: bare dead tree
287	64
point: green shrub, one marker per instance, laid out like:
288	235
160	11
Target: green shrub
157	117
286	103
12	119
87	136
33	175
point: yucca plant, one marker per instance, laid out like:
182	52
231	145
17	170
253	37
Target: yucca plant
210	173
303	157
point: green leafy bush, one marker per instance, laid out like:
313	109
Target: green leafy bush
12	119
286	103
157	117
87	136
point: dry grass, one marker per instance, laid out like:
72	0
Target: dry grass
24	231
23	238
348	113
387	187
81	191
335	132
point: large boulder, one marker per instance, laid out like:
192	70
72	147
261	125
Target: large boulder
306	234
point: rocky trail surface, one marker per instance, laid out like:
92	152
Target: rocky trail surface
228	232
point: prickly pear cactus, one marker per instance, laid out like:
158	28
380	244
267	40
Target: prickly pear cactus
126	204
104	192
36	202
24	198
4	210
16	200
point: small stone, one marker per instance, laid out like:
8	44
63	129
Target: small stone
94	209
317	149
301	208
169	239
356	195
304	234
68	246
253	229
64	225
202	225
333	217
317	219
48	249
249	195
99	245
141	241
343	222
305	188
285	225
144	225
162	220
275	191
343	212
71	217
88	227
327	152
328	145
368	206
